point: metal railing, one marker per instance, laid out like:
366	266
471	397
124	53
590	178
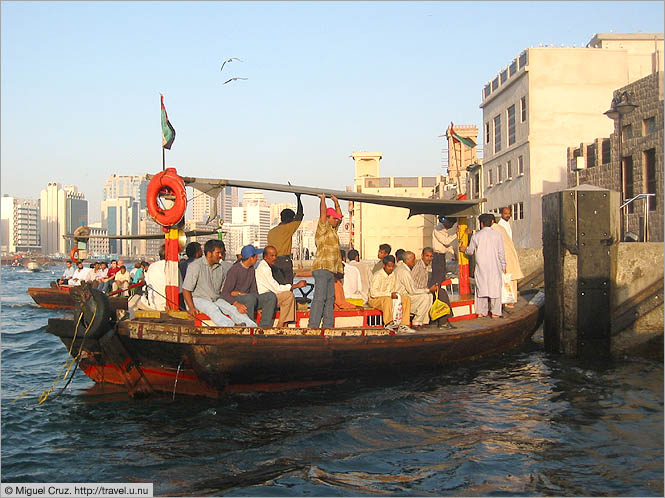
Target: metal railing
645	237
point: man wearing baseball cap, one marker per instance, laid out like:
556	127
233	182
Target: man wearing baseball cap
328	262
240	287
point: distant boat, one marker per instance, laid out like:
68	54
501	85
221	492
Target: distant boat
33	266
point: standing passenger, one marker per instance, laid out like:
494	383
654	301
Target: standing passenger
487	245
328	262
444	240
280	237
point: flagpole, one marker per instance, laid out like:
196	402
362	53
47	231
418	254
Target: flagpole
163	159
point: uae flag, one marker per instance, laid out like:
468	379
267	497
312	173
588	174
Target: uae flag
168	133
458	138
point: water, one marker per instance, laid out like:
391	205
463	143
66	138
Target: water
524	423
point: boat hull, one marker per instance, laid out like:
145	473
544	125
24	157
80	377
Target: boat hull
183	358
60	299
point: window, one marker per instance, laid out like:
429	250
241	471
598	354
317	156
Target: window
649	162
648	126
520	165
523	108
490	180
627	132
511	125
509	170
605	151
520	207
590	156
487	132
628	186
497	133
513	67
476	186
523	59
499	174
515	211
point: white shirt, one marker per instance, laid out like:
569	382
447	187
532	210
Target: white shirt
444	240
155	284
506	225
382	284
353	286
265	282
82	275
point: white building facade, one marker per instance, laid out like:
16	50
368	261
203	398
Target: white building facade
20	224
534	108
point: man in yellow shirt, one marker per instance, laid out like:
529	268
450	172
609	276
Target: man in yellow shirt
280	237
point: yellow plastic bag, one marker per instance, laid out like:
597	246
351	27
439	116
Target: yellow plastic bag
438	309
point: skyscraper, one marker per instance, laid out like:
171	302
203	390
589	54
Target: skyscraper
122	186
62	210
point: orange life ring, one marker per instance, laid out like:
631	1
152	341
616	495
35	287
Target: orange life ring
166	182
74	254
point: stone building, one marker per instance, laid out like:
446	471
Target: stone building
371	225
597	163
544	100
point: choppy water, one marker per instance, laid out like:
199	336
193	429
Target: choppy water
524	423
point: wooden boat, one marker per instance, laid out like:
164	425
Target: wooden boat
170	353
173	352
59	298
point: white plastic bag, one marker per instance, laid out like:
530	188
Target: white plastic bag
397	310
507	295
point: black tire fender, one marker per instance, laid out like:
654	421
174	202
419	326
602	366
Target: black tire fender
96	315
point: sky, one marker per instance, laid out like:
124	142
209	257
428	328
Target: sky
80	84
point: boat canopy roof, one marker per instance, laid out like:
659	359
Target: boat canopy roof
415	205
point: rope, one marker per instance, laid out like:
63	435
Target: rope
73	360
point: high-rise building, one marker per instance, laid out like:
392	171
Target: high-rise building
276	209
62	210
20	225
254	199
149	248
121	217
546	99
126	186
202	204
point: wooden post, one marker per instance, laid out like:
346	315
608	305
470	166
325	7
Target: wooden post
171	249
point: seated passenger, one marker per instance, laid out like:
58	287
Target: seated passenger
240	287
421	298
121	280
352	282
265	282
382	292
365	272
193	252
67	274
203	285
106	283
384	250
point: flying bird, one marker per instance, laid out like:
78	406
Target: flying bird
233	79
229	60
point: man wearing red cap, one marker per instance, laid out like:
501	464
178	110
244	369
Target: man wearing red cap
328	262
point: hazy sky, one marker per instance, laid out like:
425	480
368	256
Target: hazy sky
81	84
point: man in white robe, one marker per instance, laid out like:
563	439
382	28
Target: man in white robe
421	298
506	213
487	245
